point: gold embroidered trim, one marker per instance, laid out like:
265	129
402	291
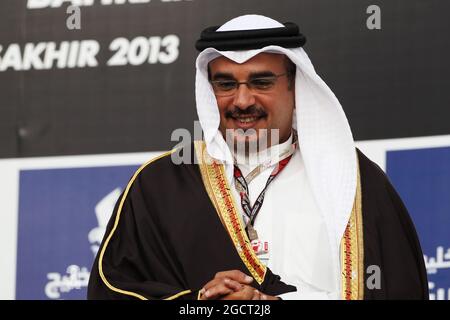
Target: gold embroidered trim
116	223
218	189
352	252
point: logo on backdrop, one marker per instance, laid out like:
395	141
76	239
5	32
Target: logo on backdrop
77	277
422	177
103	211
63	214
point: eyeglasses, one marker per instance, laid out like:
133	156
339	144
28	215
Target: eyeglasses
223	88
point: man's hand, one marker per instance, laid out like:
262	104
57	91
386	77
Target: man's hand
225	283
268	297
232	285
246	293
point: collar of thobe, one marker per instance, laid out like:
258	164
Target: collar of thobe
325	138
267	157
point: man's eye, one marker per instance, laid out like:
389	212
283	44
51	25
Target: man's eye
262	83
226	85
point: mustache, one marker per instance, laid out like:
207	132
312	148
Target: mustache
253	111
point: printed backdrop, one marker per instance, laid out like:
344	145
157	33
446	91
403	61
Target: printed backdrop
82	108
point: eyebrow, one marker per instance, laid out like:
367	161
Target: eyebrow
227	75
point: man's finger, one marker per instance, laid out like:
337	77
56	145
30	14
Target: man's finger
217	291
232	284
236	286
256	295
235	275
212	283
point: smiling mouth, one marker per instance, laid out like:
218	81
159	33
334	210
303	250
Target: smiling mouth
246	119
246	122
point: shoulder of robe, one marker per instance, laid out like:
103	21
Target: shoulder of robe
368	168
377	190
167	166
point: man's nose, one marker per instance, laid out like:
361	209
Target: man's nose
243	97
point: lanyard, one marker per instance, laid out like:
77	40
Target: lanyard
242	187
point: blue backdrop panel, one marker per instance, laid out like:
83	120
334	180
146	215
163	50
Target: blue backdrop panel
422	177
62	213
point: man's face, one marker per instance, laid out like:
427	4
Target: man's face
248	108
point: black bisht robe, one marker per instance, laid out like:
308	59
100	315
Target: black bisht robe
169	240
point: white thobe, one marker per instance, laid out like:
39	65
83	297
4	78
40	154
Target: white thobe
290	220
